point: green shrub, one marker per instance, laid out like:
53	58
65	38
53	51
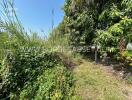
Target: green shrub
127	57
24	65
54	84
33	73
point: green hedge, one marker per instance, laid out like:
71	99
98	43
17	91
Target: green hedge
33	73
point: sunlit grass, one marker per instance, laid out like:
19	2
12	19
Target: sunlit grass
94	83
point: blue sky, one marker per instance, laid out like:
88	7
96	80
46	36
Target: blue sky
37	14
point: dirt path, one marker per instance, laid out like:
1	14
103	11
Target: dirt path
95	82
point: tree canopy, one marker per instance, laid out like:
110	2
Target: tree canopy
97	22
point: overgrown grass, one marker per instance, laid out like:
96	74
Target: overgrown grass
31	68
94	83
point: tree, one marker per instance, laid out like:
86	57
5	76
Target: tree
115	26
